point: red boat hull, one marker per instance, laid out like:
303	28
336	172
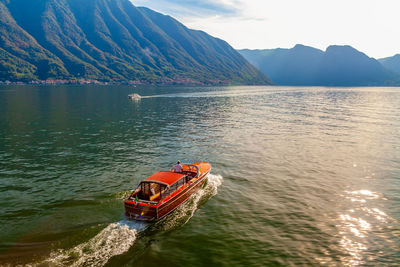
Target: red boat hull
135	210
171	205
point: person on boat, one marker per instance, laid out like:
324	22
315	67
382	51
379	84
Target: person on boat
178	167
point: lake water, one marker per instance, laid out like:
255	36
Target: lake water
301	176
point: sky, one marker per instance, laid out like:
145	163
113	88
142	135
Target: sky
371	26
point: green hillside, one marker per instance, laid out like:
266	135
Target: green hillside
111	40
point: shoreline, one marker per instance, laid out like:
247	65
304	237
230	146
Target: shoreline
162	82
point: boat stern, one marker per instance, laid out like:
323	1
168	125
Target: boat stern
135	210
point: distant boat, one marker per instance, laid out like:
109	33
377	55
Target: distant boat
134	97
161	193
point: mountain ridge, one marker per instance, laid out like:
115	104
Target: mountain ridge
391	63
338	65
111	40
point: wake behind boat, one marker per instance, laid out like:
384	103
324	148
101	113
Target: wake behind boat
161	193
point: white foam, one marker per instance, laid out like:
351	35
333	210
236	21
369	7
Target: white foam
186	211
122	195
215	181
113	240
117	238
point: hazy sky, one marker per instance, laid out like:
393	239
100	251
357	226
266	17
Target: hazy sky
371	26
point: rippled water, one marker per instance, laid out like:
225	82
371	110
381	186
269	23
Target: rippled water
301	176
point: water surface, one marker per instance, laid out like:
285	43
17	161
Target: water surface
301	176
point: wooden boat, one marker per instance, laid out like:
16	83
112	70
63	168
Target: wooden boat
160	194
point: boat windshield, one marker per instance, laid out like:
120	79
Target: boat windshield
188	169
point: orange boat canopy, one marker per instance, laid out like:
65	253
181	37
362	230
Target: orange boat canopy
165	177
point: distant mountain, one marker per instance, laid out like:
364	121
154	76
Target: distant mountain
110	40
302	65
391	63
286	66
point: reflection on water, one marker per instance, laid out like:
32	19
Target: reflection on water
359	226
310	174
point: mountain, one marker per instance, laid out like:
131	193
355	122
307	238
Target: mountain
286	66
391	63
302	65
111	40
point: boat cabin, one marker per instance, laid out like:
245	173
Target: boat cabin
150	191
162	184
161	193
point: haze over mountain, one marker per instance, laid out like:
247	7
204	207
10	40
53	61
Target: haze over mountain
110	40
391	63
303	65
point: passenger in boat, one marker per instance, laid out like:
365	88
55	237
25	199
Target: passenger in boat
152	191
178	167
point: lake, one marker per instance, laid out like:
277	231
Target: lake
300	175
